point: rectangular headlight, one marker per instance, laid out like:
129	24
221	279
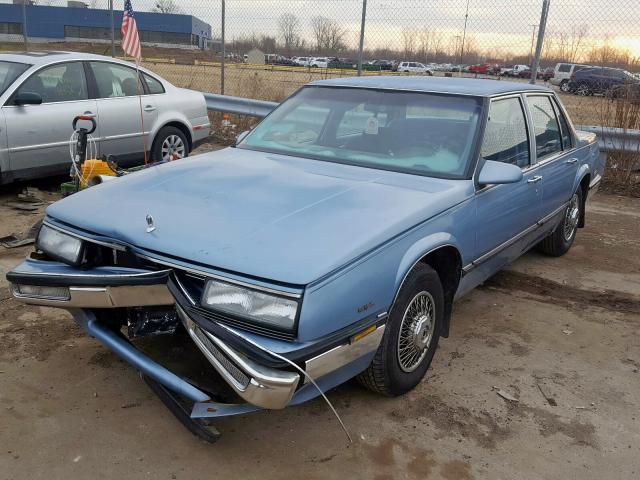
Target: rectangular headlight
37	291
59	245
269	310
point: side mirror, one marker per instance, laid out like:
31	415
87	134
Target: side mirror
498	173
27	98
241	136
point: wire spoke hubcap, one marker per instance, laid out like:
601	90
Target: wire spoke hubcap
172	148
572	217
416	331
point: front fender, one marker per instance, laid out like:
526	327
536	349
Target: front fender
419	250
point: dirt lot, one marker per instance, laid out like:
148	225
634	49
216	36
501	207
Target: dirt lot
560	335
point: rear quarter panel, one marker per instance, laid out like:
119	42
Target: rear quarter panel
185	106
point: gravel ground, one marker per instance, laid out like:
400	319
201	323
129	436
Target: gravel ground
559	335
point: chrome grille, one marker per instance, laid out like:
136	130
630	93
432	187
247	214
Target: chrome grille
237	374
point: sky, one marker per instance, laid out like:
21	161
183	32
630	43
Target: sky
493	25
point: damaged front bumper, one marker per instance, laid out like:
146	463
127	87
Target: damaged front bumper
85	292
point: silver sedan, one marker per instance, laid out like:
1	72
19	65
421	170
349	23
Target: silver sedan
42	92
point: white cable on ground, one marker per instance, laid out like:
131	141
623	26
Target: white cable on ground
280	357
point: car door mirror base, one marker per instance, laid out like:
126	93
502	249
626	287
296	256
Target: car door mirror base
27	98
498	173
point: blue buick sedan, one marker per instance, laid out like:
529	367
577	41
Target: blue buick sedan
329	243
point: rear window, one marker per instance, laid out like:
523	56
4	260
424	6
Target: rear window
564	67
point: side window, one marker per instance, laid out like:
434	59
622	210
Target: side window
505	136
564	126
564	67
115	80
64	82
154	85
545	126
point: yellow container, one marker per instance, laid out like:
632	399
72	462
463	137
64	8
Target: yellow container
92	168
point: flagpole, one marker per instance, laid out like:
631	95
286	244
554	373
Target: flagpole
144	137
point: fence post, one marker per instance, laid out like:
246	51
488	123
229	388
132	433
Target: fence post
541	29
361	46
224	50
24	25
113	30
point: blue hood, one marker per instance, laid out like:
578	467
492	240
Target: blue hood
276	217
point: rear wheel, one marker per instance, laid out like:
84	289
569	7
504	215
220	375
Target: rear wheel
583	90
564	86
170	144
560	240
411	335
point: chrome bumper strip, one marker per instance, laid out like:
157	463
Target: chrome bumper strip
259	385
341	355
105	297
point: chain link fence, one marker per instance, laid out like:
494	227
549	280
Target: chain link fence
266	49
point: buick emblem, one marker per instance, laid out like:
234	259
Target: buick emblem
150	226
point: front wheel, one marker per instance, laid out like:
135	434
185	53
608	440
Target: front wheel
170	144
583	90
560	240
411	335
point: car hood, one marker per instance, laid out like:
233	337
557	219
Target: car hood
276	217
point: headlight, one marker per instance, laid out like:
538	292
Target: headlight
263	308
59	245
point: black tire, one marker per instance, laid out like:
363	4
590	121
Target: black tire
167	134
558	242
385	375
583	90
564	86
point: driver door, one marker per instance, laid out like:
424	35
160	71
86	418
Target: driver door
38	135
506	215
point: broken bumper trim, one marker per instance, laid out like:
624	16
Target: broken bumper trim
102	287
261	386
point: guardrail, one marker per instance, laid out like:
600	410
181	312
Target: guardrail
610	139
238	105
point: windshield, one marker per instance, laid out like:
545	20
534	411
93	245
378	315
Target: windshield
9	71
422	133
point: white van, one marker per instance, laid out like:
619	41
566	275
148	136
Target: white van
562	74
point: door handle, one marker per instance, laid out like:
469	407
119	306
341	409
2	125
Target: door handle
572	161
149	108
89	114
535	179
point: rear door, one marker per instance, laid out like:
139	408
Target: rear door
38	135
124	108
556	160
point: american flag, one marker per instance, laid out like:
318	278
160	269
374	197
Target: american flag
129	30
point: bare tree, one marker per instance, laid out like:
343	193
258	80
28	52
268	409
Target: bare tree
408	42
289	27
167	6
328	35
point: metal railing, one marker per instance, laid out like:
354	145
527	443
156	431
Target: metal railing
610	139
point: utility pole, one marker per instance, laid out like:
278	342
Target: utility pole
113	30
541	29
361	47
224	51
24	24
464	32
533	36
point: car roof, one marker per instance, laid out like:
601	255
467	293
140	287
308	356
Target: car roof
452	85
45	57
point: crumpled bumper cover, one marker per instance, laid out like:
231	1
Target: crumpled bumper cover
260	385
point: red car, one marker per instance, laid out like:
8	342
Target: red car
483	68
